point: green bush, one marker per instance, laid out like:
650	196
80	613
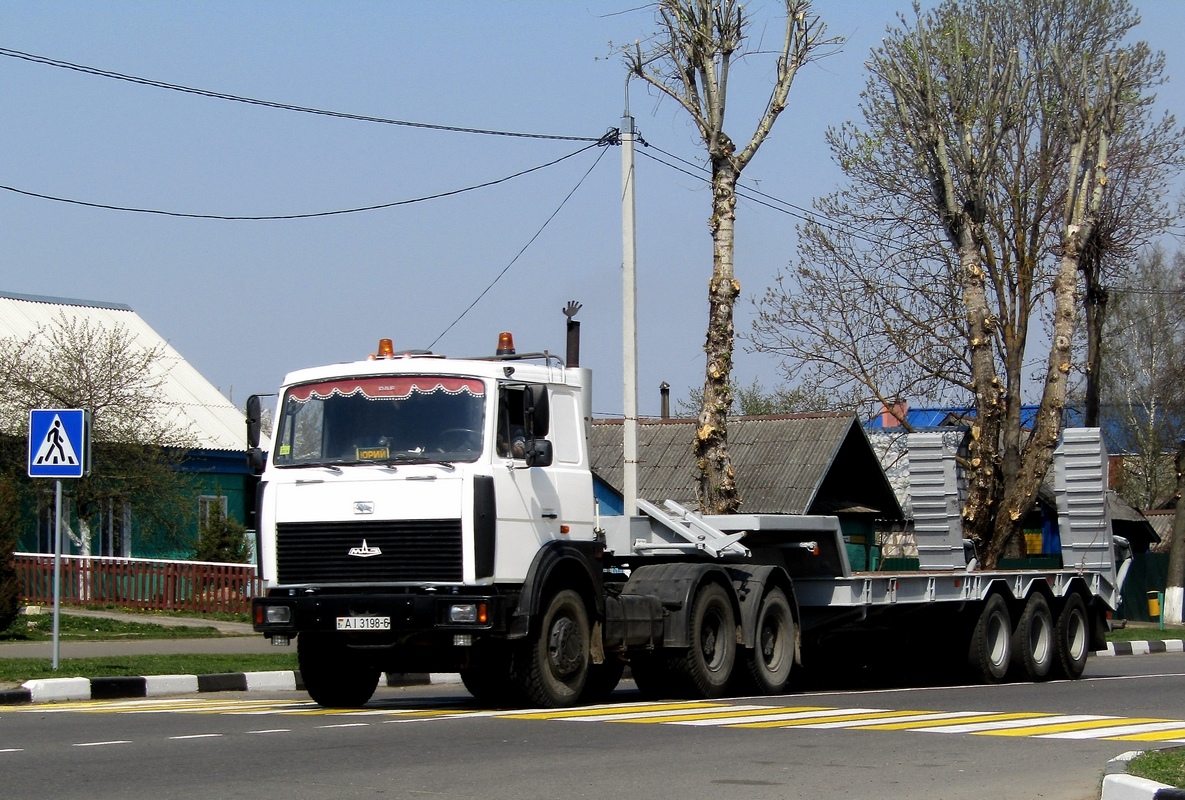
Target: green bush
221	538
10	584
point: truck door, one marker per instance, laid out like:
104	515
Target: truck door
527	498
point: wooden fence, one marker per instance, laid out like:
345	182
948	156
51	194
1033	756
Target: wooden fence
141	583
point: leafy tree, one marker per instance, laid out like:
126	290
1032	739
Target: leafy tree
138	441
1144	346
978	182
10	584
221	538
689	61
755	400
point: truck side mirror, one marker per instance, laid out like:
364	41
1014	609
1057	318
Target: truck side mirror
539	453
536	409
254	422
256	459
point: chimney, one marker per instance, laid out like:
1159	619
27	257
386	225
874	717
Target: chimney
664	391
891	417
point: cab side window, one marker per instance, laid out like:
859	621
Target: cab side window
512	433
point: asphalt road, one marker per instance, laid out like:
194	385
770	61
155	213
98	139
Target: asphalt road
435	742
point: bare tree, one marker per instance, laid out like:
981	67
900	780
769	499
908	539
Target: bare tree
139	439
689	61
978	179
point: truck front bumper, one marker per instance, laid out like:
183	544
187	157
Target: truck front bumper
371	615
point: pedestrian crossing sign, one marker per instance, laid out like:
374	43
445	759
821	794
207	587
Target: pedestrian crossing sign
59	443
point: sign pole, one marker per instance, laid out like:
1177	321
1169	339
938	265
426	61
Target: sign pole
57	573
59	447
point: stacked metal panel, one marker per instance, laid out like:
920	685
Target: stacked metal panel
934	493
1080	465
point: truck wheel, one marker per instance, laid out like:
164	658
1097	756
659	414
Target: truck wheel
602	680
334	676
772	657
1071	639
991	642
1032	641
551	667
650	674
487	677
706	665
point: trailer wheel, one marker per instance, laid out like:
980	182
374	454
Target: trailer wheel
333	675
706	665
602	680
772	657
1071	639
991	642
1033	640
551	667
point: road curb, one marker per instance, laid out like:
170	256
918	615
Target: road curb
1118	785
50	690
54	690
1142	648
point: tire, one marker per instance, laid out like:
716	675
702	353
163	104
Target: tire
651	676
771	659
550	668
487	677
1071	639
602	680
990	652
1033	640
334	676
705	667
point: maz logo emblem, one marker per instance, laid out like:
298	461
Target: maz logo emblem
363	507
365	551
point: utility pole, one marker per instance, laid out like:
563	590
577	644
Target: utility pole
629	317
1174	593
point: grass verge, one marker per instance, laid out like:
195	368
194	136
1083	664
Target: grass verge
1146	631
19	670
39	628
1163	766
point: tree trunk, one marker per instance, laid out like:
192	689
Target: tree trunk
983	476
1174	594
1096	315
716	488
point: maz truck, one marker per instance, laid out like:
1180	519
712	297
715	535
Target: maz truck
419	513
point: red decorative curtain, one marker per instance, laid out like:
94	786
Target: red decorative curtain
396	386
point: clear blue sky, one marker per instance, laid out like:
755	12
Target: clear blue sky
246	301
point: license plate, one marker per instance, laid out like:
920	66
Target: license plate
364	623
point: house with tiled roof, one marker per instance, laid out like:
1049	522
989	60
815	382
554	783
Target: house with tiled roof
216	460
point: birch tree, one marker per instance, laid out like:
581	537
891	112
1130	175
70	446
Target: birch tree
689	61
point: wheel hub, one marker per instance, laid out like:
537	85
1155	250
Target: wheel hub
564	649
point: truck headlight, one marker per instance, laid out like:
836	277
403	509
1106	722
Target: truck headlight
462	612
279	615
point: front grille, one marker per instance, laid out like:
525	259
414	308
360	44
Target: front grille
411	550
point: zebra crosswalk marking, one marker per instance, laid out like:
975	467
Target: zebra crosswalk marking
720	716
939	719
835	717
595	712
1085	722
1176	734
1020	720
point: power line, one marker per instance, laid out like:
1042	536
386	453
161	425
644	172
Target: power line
609	138
102	73
518	255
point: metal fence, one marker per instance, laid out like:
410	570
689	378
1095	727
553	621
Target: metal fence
141	583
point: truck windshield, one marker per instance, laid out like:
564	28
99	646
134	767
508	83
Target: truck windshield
387	420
